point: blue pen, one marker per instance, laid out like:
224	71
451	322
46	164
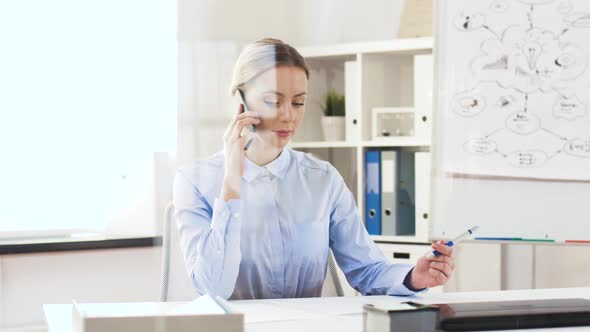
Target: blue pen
454	241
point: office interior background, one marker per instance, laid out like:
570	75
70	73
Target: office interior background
100	102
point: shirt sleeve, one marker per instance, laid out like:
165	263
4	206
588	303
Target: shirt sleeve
364	265
209	238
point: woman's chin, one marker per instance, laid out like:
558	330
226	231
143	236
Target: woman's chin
276	142
281	143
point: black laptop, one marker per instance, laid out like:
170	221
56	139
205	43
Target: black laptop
507	315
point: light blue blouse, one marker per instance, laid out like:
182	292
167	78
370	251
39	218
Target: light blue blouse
273	242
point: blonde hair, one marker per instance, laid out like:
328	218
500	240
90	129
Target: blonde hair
263	55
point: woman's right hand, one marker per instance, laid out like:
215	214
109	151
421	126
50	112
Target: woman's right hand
234	146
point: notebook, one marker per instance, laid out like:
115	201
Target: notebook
485	316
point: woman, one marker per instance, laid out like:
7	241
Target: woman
258	223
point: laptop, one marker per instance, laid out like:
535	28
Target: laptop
507	315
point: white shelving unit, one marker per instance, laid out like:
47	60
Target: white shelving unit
391	73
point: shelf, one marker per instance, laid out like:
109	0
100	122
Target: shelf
321	144
75	244
402	46
396	141
397	239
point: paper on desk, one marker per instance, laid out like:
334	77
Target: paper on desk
204	304
121	309
339	305
325	323
265	312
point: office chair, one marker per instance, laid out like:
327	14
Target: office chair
332	285
175	281
176	284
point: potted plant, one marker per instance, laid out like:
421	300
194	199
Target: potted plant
333	120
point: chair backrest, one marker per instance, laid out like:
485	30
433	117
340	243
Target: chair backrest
332	284
176	284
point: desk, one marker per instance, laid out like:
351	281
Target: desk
341	314
68	243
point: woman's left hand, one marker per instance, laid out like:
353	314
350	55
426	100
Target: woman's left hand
436	271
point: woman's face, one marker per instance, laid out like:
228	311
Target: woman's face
278	96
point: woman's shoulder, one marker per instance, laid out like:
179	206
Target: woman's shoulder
306	160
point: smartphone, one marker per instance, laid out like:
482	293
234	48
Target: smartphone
249	129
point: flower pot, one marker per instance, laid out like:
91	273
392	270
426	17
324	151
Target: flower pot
333	127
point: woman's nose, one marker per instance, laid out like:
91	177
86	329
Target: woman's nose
286	113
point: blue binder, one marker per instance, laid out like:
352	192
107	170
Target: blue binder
373	192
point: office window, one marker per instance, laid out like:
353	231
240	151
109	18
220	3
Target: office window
87	98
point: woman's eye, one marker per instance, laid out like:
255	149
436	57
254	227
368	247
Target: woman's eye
272	103
298	104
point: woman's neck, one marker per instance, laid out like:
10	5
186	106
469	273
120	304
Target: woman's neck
262	155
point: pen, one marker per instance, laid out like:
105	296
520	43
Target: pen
454	241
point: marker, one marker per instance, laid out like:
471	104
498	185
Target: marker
577	241
498	238
454	241
519	239
537	240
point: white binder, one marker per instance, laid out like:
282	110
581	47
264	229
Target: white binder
423	83
389	181
352	101
422	178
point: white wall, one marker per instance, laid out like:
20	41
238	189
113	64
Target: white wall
27	281
333	21
304	22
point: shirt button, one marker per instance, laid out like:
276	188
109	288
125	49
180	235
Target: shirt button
236	215
224	214
219	251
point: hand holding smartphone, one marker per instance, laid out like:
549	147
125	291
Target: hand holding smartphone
250	129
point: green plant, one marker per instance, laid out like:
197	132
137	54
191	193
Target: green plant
334	104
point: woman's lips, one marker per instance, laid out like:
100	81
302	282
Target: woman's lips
283	133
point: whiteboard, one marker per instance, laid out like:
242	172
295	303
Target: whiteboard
511	147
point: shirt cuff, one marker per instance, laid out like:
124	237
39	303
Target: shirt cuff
408	283
404	287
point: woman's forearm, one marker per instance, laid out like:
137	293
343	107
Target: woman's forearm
212	247
231	188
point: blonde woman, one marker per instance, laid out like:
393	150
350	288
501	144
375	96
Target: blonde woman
258	223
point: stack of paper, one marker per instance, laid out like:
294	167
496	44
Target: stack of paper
203	314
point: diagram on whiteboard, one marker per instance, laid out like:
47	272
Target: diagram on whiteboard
518	88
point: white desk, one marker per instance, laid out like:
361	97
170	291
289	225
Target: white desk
341	314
